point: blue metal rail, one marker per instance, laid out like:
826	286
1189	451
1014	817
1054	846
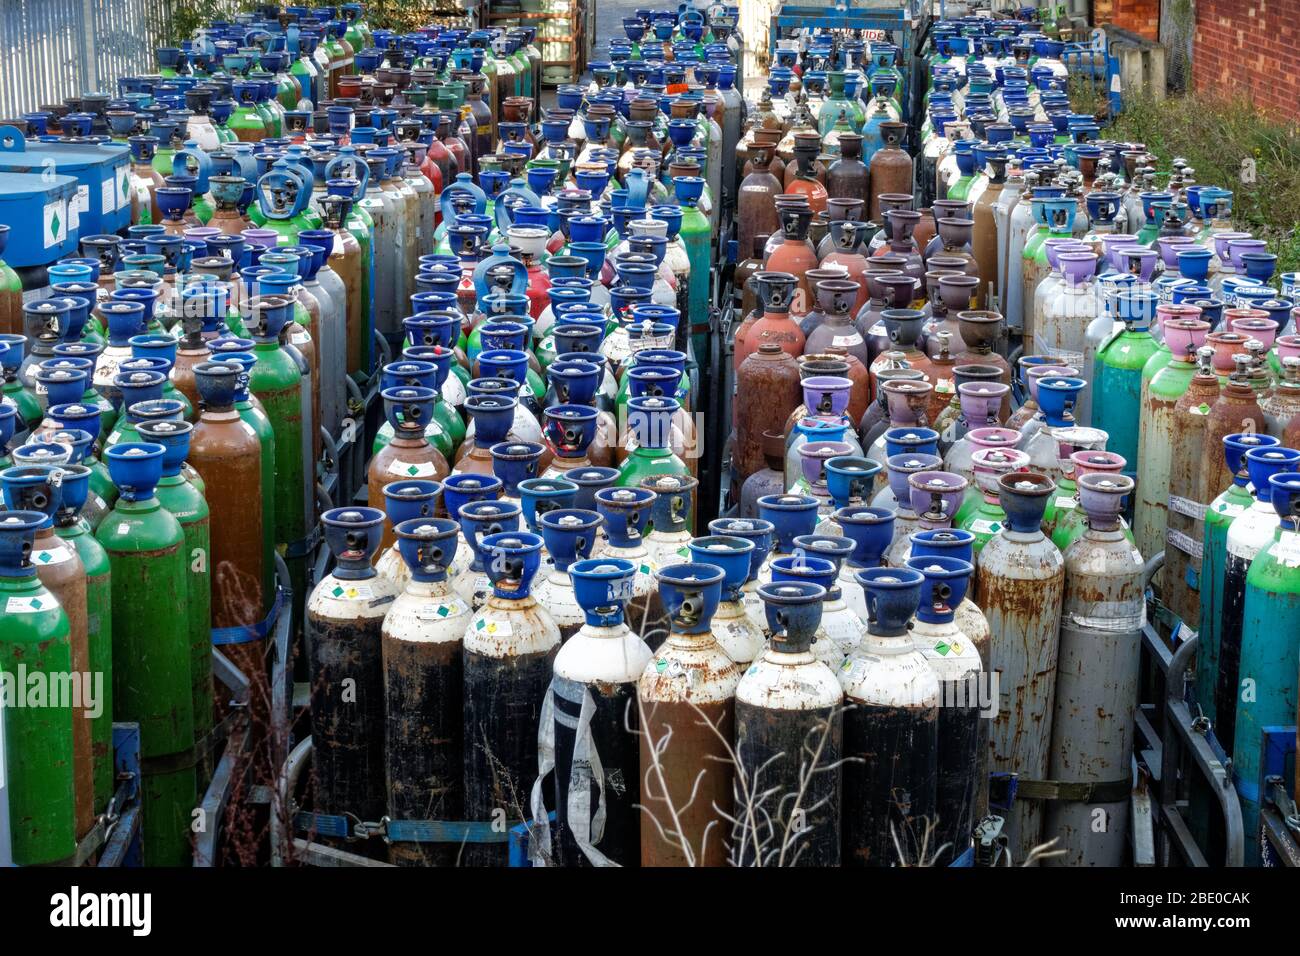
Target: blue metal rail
1094	61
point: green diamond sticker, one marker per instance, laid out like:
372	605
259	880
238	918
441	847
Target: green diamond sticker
126	185
54	225
412	470
480	624
995	526
684	551
443	610
942	649
36	603
661	665
1203	408
45	557
338	591
645	569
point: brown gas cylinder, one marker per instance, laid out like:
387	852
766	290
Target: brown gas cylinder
1191	472
767	391
891	167
848	177
227	454
756	213
775	290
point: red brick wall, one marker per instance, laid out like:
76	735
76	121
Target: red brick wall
1138	16
1249	46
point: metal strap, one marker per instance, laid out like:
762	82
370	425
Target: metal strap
347	827
247	634
303	546
1102	791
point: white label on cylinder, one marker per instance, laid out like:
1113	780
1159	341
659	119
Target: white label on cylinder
845	341
1287	549
407	469
44	558
30	605
441	611
345	591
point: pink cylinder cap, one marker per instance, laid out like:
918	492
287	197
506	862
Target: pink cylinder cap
1053	248
1226	345
1288	346
1185	336
989	464
1102	497
1044	371
936	496
1253	323
982	401
1169	246
1223	244
901	467
813	456
1077	267
995	436
1092	461
826	394
907	399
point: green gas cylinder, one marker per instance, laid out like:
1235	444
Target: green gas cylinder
151	649
34	640
188	506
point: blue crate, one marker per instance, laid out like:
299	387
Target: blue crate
35	208
102	172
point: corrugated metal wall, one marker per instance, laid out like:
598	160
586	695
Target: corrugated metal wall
51	49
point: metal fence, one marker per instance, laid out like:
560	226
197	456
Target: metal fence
1177	31
52	49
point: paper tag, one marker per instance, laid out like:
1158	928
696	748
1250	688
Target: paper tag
442	610
43	559
983	526
30	605
943	386
1187	507
1287	549
407	469
108	196
846	341
1201	409
1184	543
494	627
344	591
1066	503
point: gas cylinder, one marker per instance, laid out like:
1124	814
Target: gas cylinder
1219	516
345	616
226	451
1193	478
151	646
61	573
569	534
1155	448
1020	583
1103	612
891	728
627	512
1248	535
422	639
1117	375
39	750
189	507
277	381
510	646
72	529
1269	635
891	167
409	455
404	500
962	740
687	697
790	722
588	735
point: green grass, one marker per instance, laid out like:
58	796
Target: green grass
1215	135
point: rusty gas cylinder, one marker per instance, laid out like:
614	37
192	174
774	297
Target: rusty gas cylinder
891	167
767	391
